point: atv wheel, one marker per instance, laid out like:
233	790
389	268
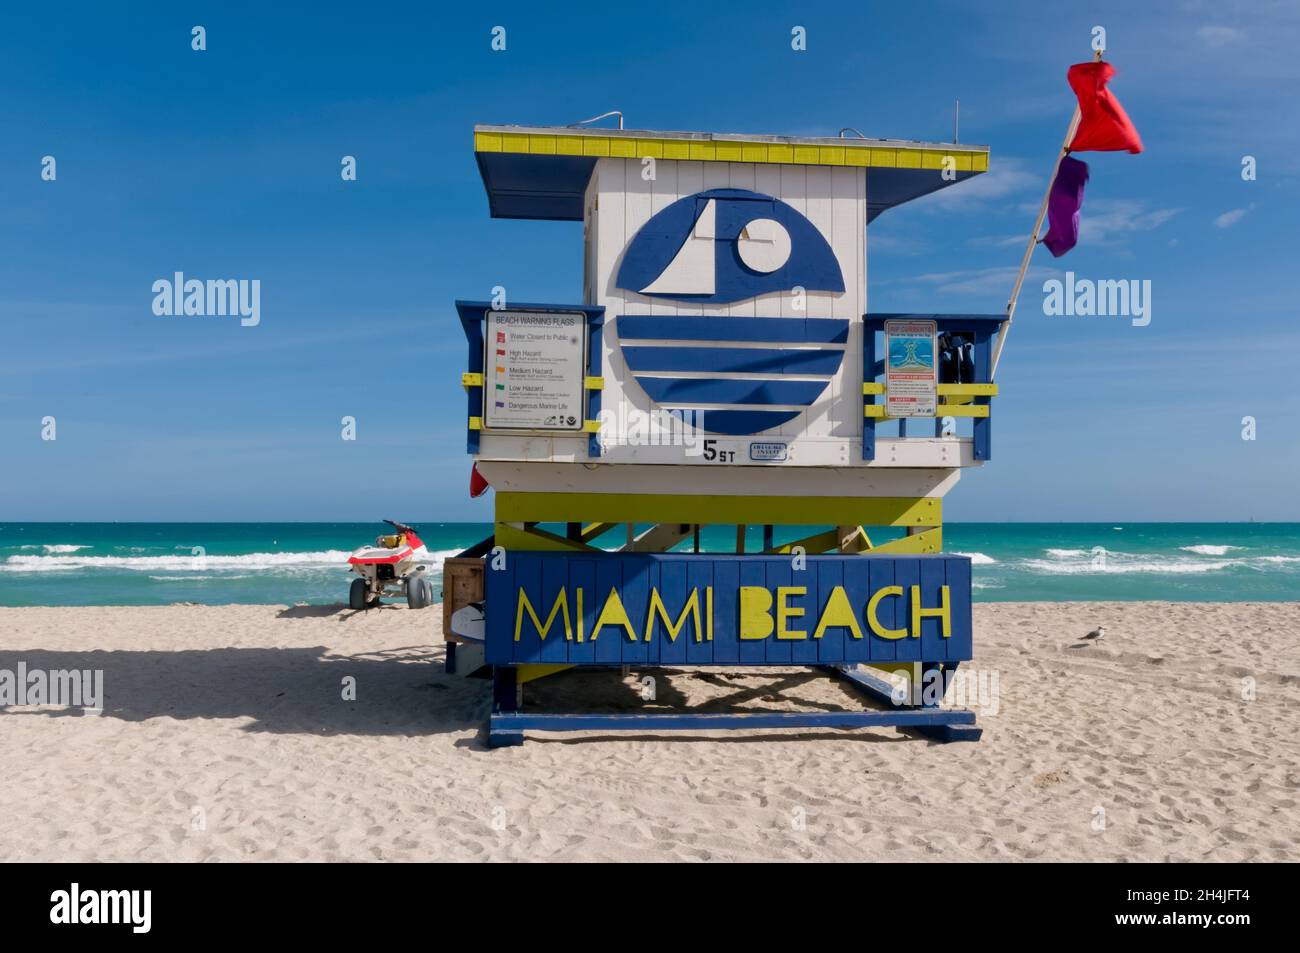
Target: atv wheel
358	594
417	591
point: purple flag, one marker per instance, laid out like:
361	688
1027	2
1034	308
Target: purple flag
1063	206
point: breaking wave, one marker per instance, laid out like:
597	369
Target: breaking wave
1205	549
1100	560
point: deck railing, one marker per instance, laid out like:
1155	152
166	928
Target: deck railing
956	399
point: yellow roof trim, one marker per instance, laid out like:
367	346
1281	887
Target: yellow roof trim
779	150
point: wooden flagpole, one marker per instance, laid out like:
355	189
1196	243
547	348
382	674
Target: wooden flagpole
1033	237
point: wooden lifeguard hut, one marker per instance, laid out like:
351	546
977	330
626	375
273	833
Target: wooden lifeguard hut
721	369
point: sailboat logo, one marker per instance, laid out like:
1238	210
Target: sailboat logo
732	374
726	245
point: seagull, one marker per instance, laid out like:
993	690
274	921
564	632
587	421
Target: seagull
1097	633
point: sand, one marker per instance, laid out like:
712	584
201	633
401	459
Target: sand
225	736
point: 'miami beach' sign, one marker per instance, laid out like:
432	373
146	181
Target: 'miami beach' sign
652	608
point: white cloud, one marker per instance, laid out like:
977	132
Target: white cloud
983	281
1103	222
1218	36
1008	241
1006	178
1108	221
885	243
1231	218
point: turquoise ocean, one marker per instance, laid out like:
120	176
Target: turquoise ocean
283	563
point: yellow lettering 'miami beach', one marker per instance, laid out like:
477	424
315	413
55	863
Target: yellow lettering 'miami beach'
317	733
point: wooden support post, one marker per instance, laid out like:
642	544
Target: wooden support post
506	694
983	430
868	374
505	688
740	538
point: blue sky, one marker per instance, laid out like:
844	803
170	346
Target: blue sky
225	163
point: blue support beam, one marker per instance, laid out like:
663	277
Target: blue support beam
507	726
473	327
877	689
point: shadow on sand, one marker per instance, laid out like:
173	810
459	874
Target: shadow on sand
401	690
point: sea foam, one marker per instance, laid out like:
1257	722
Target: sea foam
192	563
1205	549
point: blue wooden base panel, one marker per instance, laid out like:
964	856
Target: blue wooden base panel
829	612
507	724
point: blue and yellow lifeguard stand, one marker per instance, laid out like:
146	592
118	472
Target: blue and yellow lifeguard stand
722	369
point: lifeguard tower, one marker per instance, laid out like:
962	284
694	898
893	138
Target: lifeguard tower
722	369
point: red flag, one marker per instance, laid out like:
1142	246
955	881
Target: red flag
1103	126
477	484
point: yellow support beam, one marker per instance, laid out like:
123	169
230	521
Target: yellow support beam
873	387
816	543
968	390
515	507
593	383
530	673
471	379
877	411
926	541
532	538
861	542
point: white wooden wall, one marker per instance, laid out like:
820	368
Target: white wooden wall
619	201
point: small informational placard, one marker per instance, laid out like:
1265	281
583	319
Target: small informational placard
911	371
534	365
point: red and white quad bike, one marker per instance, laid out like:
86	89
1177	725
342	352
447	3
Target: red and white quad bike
391	564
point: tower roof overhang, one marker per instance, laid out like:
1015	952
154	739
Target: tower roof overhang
541	172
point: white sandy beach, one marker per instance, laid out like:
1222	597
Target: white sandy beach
224	737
